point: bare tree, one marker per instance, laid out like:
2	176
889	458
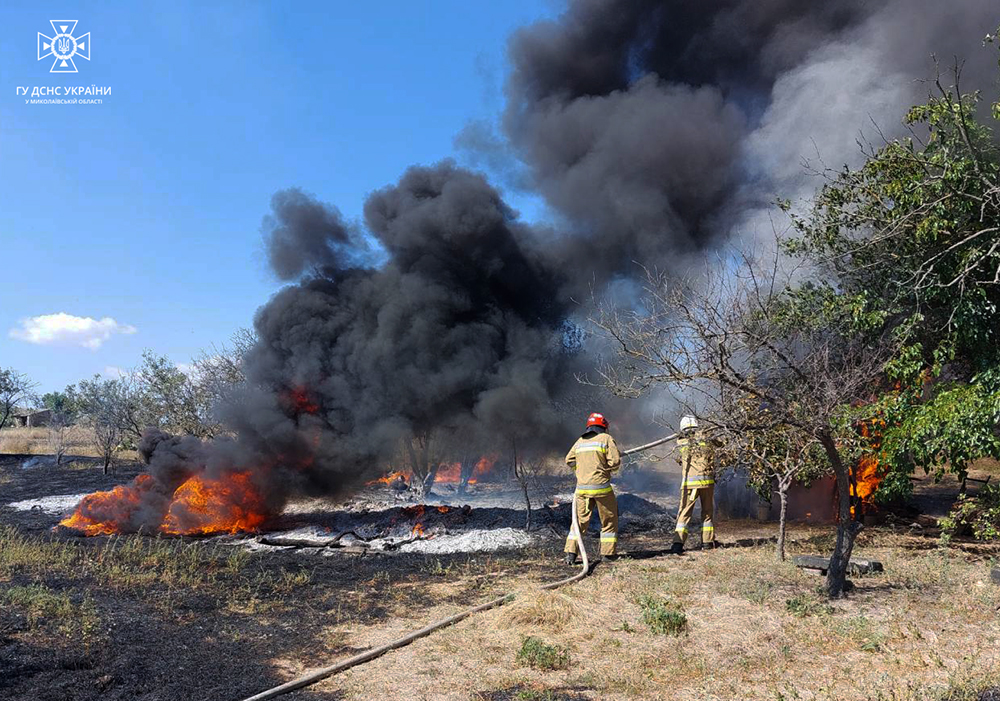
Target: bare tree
58	434
743	335
103	404
526	472
15	390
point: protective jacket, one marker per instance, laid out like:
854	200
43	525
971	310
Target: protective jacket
697	457
594	457
697	461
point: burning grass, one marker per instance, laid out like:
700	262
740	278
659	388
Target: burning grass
199	506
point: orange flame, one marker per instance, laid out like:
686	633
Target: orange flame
391	477
867	473
91	516
228	505
200	505
449	472
418	529
483	467
413	511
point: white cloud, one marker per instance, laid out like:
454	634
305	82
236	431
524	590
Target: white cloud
188	369
66	329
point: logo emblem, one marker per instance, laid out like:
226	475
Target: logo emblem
64	47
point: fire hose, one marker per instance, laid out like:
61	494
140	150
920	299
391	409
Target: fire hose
375	652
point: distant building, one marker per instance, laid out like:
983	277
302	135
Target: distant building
33	418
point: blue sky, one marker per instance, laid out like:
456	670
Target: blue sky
146	209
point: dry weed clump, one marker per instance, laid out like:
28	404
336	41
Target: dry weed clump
552	611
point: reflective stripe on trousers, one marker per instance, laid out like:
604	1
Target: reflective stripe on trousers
593	489
606	506
689	497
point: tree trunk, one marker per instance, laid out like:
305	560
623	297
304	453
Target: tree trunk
465	472
847	527
527	503
107	462
783	497
420	465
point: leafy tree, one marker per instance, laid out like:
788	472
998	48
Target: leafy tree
909	244
15	390
167	397
219	374
61	403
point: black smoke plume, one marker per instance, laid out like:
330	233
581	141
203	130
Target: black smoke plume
657	128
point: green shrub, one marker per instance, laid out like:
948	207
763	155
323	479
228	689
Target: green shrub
662	617
803	605
541	655
978	516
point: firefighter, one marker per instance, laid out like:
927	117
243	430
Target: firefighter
594	457
697	458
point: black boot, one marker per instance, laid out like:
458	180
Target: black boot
676	549
569	558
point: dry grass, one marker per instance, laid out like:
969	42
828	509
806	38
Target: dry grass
35	441
926	628
547	610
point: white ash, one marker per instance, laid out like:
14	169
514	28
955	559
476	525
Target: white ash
367	523
56	505
478	540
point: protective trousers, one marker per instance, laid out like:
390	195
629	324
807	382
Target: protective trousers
607	510
688	498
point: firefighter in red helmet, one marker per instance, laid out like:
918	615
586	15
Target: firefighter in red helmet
594	457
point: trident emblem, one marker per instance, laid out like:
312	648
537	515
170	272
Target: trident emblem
64	47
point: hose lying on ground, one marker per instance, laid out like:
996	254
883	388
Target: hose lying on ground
375	652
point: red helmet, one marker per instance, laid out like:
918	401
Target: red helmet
596	419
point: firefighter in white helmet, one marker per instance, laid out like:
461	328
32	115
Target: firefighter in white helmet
697	458
594	457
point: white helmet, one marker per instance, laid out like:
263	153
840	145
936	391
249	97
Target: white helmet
688	422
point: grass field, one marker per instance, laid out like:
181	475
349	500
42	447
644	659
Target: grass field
162	618
36	441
